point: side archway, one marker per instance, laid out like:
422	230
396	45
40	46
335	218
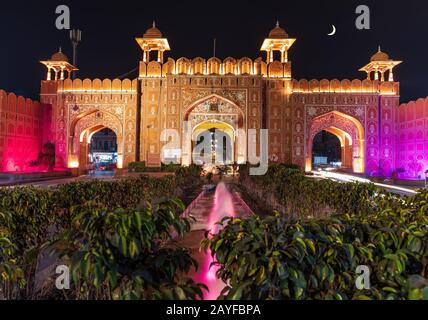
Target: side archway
350	133
81	133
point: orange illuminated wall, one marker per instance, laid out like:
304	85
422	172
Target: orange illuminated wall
23	130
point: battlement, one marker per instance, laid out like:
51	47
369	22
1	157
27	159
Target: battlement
10	102
99	87
345	86
24	128
413	110
215	66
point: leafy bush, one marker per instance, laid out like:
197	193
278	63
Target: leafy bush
137	166
141	167
275	258
25	218
9	272
293	194
291	166
127	254
170	167
291	255
30	217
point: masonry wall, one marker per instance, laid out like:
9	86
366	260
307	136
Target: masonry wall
22	132
412	140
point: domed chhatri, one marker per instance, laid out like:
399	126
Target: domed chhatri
380	64
278	32
153	41
58	64
59	56
380	56
278	40
153	32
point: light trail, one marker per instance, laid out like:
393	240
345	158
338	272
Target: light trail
341	177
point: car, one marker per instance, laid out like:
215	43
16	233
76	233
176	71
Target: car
107	166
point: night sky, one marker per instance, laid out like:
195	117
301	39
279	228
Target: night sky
28	34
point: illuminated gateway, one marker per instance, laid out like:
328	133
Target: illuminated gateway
377	135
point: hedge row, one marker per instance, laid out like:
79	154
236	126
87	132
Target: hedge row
30	217
290	192
275	258
312	248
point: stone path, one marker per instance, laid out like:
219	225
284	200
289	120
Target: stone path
205	214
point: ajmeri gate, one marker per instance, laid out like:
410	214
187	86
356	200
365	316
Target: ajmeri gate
235	96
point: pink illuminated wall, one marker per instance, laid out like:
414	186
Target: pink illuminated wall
22	132
412	139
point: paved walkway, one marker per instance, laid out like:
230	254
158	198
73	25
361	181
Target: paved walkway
211	208
215	204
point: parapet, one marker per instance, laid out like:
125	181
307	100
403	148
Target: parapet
90	87
413	110
345	86
10	102
215	66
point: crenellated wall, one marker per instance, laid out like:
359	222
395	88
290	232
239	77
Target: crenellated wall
81	107
412	139
24	128
371	105
214	66
345	86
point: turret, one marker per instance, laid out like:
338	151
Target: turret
59	64
380	63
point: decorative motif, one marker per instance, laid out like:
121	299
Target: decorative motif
312	111
215	109
359	112
239	97
356	112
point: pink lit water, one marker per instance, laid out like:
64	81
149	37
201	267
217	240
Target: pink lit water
223	206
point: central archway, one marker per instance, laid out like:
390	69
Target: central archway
350	133
214	112
221	143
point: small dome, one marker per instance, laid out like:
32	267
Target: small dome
278	33
153	32
59	56
380	56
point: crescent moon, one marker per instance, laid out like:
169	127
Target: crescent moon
333	32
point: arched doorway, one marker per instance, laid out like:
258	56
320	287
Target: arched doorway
210	114
98	151
103	152
332	147
82	131
213	144
349	133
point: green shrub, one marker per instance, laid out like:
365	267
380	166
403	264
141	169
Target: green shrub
170	167
30	217
126	253
291	166
275	258
295	195
137	166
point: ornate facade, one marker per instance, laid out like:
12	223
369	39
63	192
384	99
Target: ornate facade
234	95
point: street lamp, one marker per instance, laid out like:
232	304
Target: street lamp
76	38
